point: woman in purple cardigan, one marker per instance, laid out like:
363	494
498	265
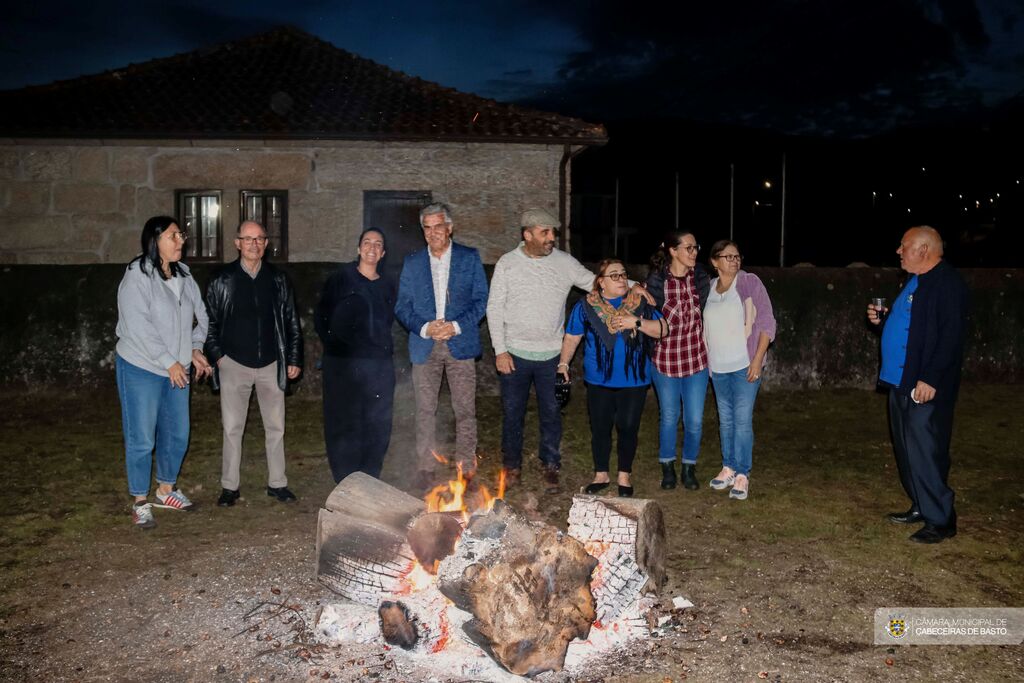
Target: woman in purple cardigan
738	327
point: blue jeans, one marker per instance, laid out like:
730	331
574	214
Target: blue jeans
154	415
673	392
735	397
515	392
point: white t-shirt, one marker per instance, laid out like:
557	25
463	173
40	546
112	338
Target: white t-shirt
174	283
723	330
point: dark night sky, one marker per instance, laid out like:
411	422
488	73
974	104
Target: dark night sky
832	67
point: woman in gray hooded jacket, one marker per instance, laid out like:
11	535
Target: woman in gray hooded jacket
161	328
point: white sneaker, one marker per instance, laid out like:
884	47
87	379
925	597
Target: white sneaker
142	516
740	487
175	500
723	479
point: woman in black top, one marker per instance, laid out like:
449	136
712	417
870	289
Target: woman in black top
353	320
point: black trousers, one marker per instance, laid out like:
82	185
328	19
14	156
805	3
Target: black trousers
622	408
359	396
920	440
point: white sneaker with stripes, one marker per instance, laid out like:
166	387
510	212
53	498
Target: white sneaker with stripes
175	500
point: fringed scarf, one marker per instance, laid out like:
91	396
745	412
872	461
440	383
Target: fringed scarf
598	315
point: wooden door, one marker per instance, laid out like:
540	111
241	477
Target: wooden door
397	215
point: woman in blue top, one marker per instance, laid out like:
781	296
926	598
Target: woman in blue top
619	333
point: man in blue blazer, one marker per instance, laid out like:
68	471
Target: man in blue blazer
442	297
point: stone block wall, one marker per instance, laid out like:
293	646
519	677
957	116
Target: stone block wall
85	202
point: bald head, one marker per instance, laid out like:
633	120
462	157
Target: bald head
929	236
920	250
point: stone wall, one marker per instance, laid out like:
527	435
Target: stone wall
58	325
86	202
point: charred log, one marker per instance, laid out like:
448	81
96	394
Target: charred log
527	587
397	626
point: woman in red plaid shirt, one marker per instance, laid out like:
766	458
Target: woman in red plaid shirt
680	287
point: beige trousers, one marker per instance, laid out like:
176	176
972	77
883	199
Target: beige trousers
236	384
426	381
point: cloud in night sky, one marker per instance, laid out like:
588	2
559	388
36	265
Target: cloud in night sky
844	66
824	67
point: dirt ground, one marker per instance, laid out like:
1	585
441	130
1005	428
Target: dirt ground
785	584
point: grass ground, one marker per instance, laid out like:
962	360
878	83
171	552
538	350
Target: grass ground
785	582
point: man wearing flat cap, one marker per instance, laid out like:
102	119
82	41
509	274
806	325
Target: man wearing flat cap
526	319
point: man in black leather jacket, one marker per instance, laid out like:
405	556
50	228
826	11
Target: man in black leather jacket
254	341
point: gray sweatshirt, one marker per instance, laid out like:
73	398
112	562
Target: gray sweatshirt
526	306
154	322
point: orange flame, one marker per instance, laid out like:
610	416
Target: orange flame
448	497
501	488
452	496
440	458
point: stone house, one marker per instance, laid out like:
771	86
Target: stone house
313	141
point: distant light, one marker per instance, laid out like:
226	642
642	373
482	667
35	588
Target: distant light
991	200
961	196
922	169
767	184
874	194
890	195
997	195
977	205
908	210
757	203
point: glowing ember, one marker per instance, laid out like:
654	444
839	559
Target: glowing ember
417	579
445	629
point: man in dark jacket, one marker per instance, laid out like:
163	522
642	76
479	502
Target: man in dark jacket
254	340
922	353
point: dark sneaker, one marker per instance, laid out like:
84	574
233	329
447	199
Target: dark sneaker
142	516
282	494
228	498
551	483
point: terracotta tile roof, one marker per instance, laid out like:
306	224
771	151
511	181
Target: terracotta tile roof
285	84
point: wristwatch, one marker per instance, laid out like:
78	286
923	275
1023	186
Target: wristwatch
638	321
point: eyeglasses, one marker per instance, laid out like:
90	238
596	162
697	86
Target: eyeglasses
179	236
731	258
249	241
690	248
615	276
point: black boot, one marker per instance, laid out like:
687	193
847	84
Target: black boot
668	475
690	477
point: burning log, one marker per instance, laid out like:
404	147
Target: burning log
527	587
627	536
361	546
432	538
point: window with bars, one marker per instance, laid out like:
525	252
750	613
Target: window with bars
200	214
269	208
